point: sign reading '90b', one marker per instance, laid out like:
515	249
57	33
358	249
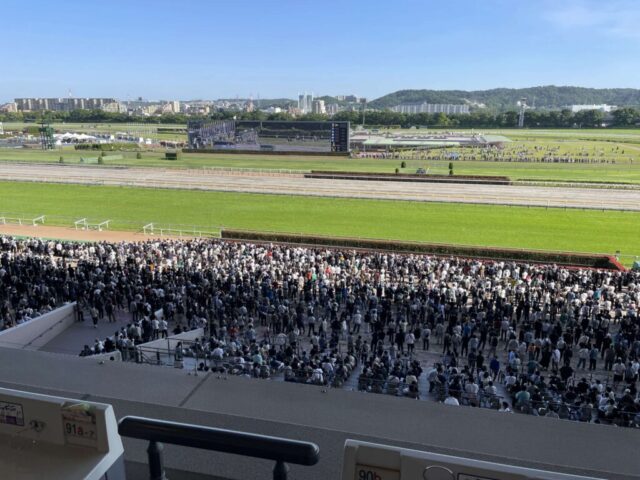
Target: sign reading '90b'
367	472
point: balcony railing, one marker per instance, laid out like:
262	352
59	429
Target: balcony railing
157	432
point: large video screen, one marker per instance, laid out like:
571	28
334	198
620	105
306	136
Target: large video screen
276	136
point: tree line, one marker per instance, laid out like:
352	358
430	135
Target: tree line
623	117
504	99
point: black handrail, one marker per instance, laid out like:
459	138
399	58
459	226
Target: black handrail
281	450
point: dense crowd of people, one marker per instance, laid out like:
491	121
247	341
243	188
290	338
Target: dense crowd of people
531	154
509	154
557	341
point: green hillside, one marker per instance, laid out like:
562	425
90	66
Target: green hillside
505	98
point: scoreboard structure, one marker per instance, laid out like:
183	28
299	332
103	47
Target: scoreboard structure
270	136
340	137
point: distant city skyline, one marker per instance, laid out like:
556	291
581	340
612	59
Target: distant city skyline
207	50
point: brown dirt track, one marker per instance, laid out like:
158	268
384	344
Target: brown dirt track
203	179
65	233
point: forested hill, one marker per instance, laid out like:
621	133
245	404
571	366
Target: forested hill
506	98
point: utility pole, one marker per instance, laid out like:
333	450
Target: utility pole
523	107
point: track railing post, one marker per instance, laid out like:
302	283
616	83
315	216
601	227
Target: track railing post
156	461
280	471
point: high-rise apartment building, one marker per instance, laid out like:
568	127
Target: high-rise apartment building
305	103
9	107
425	107
64	104
333	108
318	107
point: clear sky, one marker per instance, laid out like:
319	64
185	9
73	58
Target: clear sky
189	49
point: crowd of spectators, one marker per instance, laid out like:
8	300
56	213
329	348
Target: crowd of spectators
509	154
532	154
555	341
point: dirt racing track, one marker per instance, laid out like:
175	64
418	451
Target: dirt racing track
292	184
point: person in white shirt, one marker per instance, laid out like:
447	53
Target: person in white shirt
317	376
471	391
410	340
451	401
164	328
155	328
490	390
509	381
217	355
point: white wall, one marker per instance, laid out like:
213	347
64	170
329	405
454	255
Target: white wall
36	333
171	342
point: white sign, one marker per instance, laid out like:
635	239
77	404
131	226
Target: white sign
79	425
367	472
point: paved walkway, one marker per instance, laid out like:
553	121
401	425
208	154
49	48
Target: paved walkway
73	339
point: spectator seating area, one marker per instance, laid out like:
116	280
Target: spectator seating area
536	339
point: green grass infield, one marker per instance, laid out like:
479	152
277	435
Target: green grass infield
483	225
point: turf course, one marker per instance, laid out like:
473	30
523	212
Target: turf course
518	227
618	150
621	171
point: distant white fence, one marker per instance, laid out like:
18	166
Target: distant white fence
4	220
153	229
83	224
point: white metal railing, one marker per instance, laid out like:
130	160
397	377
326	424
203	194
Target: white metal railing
85	225
171	231
258	171
21	221
101	225
82	222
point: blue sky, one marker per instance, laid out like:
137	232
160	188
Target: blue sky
210	49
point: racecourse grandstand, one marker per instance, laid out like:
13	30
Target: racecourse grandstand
370	141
